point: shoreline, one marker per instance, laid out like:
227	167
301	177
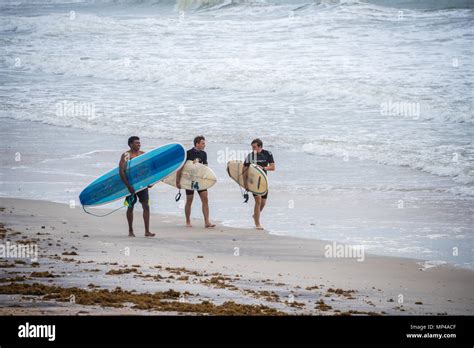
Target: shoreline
424	263
354	202
219	224
236	270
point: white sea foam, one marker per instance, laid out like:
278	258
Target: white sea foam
431	264
297	67
445	160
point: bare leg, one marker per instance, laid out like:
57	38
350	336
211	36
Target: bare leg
187	209
256	212
205	209
130	222
146	219
264	202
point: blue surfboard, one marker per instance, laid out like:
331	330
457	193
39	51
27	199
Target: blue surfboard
141	171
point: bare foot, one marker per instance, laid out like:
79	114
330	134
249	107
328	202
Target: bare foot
188	224
258	227
149	234
131	234
209	225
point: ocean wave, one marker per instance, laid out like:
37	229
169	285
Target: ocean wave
199	4
426	265
438	161
88	154
333	65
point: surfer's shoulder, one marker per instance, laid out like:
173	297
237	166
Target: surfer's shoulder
126	155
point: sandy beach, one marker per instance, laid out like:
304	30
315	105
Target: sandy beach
348	221
88	265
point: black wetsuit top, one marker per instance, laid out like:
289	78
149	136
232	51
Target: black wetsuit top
263	159
194	153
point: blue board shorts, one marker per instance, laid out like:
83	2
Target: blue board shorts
143	197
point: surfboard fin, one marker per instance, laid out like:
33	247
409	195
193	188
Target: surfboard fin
246	197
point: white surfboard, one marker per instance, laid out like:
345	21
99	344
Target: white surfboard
257	179
195	176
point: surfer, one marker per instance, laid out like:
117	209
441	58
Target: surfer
134	143
196	154
263	159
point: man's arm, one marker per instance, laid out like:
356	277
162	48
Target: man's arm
271	162
270	167
178	177
245	177
123	176
245	172
180	171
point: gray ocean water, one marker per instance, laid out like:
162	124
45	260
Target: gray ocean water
366	105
